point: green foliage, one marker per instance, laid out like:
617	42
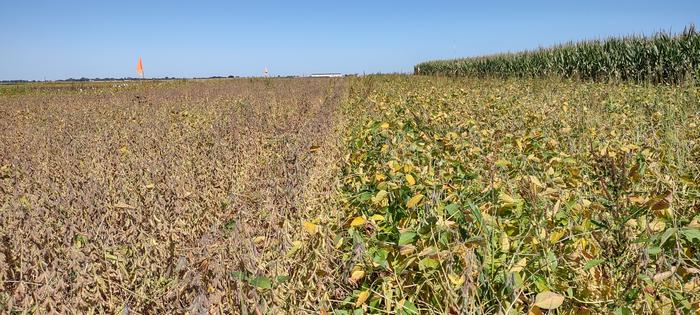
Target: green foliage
662	58
511	196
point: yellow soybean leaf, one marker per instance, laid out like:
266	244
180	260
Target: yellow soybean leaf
259	240
296	245
505	243
377	217
506	200
356	275
456	280
379	197
414	201
548	300
310	227
550	171
535	181
358	221
339	243
361	298
518	267
502	163
395	166
533	158
556	236
410	180
385	125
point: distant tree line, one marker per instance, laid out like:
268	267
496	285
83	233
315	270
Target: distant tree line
131	79
110	79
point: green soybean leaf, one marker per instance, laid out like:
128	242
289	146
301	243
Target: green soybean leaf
592	263
453	211
654	250
238	275
667	234
261	282
407	237
691	234
428	263
408	308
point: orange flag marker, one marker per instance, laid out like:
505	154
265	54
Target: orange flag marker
139	68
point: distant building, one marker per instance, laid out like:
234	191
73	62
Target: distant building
326	75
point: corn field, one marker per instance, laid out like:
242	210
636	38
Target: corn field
661	58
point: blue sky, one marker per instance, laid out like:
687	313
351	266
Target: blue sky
62	39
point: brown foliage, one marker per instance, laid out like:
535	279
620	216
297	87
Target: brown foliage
146	199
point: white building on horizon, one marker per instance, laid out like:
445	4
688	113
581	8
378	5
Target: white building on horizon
326	75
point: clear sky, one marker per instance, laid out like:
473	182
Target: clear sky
63	39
